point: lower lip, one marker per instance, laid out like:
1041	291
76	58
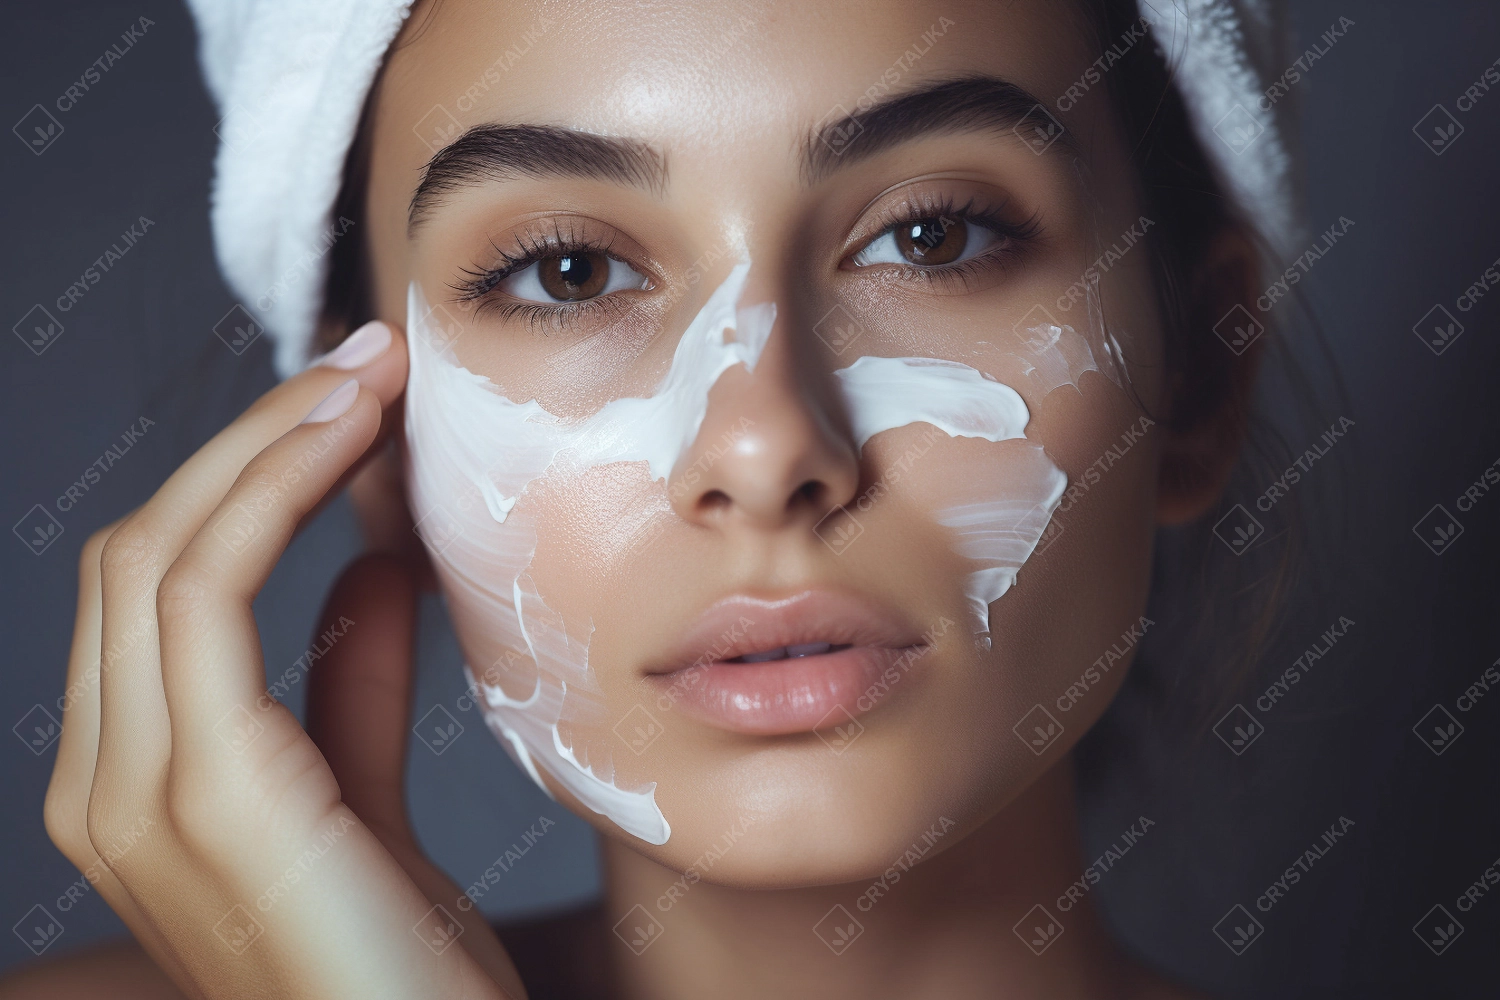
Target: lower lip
778	697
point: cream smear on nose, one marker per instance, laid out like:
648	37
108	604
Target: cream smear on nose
473	453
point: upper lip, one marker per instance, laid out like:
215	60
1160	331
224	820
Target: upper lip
742	624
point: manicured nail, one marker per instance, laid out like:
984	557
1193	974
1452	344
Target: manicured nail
360	347
335	404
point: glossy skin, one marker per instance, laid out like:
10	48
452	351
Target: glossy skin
713	94
728	92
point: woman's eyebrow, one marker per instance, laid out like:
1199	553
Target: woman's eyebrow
967	104
498	152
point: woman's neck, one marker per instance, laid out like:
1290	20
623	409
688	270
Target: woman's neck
945	930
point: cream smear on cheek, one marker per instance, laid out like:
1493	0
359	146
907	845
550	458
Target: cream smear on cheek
473	453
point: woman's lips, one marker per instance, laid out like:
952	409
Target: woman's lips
773	667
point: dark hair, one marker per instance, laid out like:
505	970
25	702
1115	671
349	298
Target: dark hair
1207	597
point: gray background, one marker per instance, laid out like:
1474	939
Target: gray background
140	343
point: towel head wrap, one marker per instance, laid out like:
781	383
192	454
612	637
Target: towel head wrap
290	78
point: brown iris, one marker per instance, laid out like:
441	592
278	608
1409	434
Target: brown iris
573	276
932	241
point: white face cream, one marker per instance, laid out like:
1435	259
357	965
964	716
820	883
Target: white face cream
474	454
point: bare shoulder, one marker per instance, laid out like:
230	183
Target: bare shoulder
119	969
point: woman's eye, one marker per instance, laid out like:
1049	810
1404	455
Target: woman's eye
927	242
572	277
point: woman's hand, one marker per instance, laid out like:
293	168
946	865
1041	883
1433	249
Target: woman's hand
247	861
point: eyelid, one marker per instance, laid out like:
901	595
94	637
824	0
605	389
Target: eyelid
547	236
1011	239
930	197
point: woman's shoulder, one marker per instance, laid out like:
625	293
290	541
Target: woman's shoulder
561	955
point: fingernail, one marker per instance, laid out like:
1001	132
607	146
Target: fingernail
335	404
360	347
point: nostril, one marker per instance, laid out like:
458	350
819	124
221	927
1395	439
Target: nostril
811	491
714	500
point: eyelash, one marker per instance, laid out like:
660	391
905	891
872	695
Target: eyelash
481	281
1013	239
530	248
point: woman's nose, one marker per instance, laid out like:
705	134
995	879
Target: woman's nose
770	452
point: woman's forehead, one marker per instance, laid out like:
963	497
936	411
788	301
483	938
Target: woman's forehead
705	78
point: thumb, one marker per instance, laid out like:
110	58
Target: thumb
359	696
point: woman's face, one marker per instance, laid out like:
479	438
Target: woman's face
656	596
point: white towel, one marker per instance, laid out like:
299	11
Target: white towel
290	79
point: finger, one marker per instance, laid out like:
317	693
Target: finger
211	663
65	811
133	719
359	698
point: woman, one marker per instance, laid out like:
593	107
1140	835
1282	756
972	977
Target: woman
786	397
